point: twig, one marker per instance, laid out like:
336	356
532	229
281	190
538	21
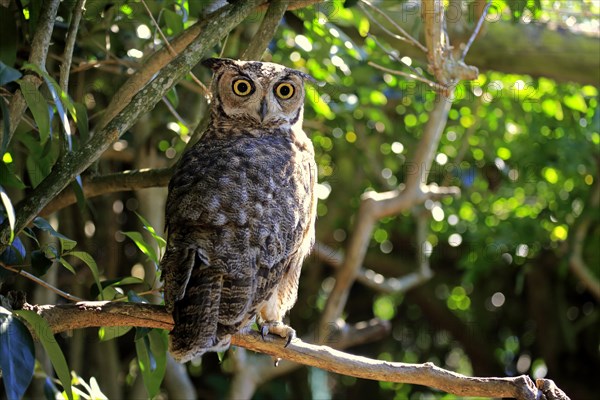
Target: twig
40	282
172	51
173	111
394	55
436	86
476	30
266	31
65	67
406	37
96	314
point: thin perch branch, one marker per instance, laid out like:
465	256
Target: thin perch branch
95	314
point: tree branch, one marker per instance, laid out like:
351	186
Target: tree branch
65	67
73	164
266	31
111	183
95	314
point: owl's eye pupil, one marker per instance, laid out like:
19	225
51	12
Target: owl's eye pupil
284	91
242	87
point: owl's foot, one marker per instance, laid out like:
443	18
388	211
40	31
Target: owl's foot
278	328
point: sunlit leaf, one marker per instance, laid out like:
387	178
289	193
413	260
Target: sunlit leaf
10	212
106	333
138	239
90	262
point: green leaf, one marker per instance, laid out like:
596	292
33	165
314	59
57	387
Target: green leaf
65	243
67	265
40	263
151	352
46	337
82	121
39	108
8	74
172	97
59	98
18	355
160	241
138	239
129	280
8	177
10	212
106	333
174	21
90	262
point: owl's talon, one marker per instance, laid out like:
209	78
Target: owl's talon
280	329
264	330
290	336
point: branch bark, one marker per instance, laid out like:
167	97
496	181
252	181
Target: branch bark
266	31
73	164
95	314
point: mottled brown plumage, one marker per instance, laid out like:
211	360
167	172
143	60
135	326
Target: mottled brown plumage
241	210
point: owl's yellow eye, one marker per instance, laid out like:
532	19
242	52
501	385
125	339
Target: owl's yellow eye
284	91
242	87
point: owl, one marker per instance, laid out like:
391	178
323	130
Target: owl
241	210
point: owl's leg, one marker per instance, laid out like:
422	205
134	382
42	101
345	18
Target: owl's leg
270	320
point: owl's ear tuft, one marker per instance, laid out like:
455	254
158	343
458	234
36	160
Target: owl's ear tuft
305	76
216	63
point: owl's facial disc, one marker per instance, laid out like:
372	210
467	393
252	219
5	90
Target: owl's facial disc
256	94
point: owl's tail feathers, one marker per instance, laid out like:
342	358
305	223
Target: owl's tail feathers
176	265
196	317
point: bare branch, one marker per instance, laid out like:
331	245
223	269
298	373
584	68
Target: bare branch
436	86
110	183
476	30
96	314
65	67
405	36
266	31
40	282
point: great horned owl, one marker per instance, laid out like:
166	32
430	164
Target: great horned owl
241	210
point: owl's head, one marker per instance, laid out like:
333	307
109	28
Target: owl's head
256	94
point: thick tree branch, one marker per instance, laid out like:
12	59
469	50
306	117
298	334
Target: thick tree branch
73	164
375	206
111	183
266	31
94	314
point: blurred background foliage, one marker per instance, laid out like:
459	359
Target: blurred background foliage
523	148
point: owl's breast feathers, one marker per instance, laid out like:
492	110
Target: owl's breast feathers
240	214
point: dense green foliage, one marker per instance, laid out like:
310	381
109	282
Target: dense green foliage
524	151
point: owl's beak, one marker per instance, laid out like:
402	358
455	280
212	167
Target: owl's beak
263	110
